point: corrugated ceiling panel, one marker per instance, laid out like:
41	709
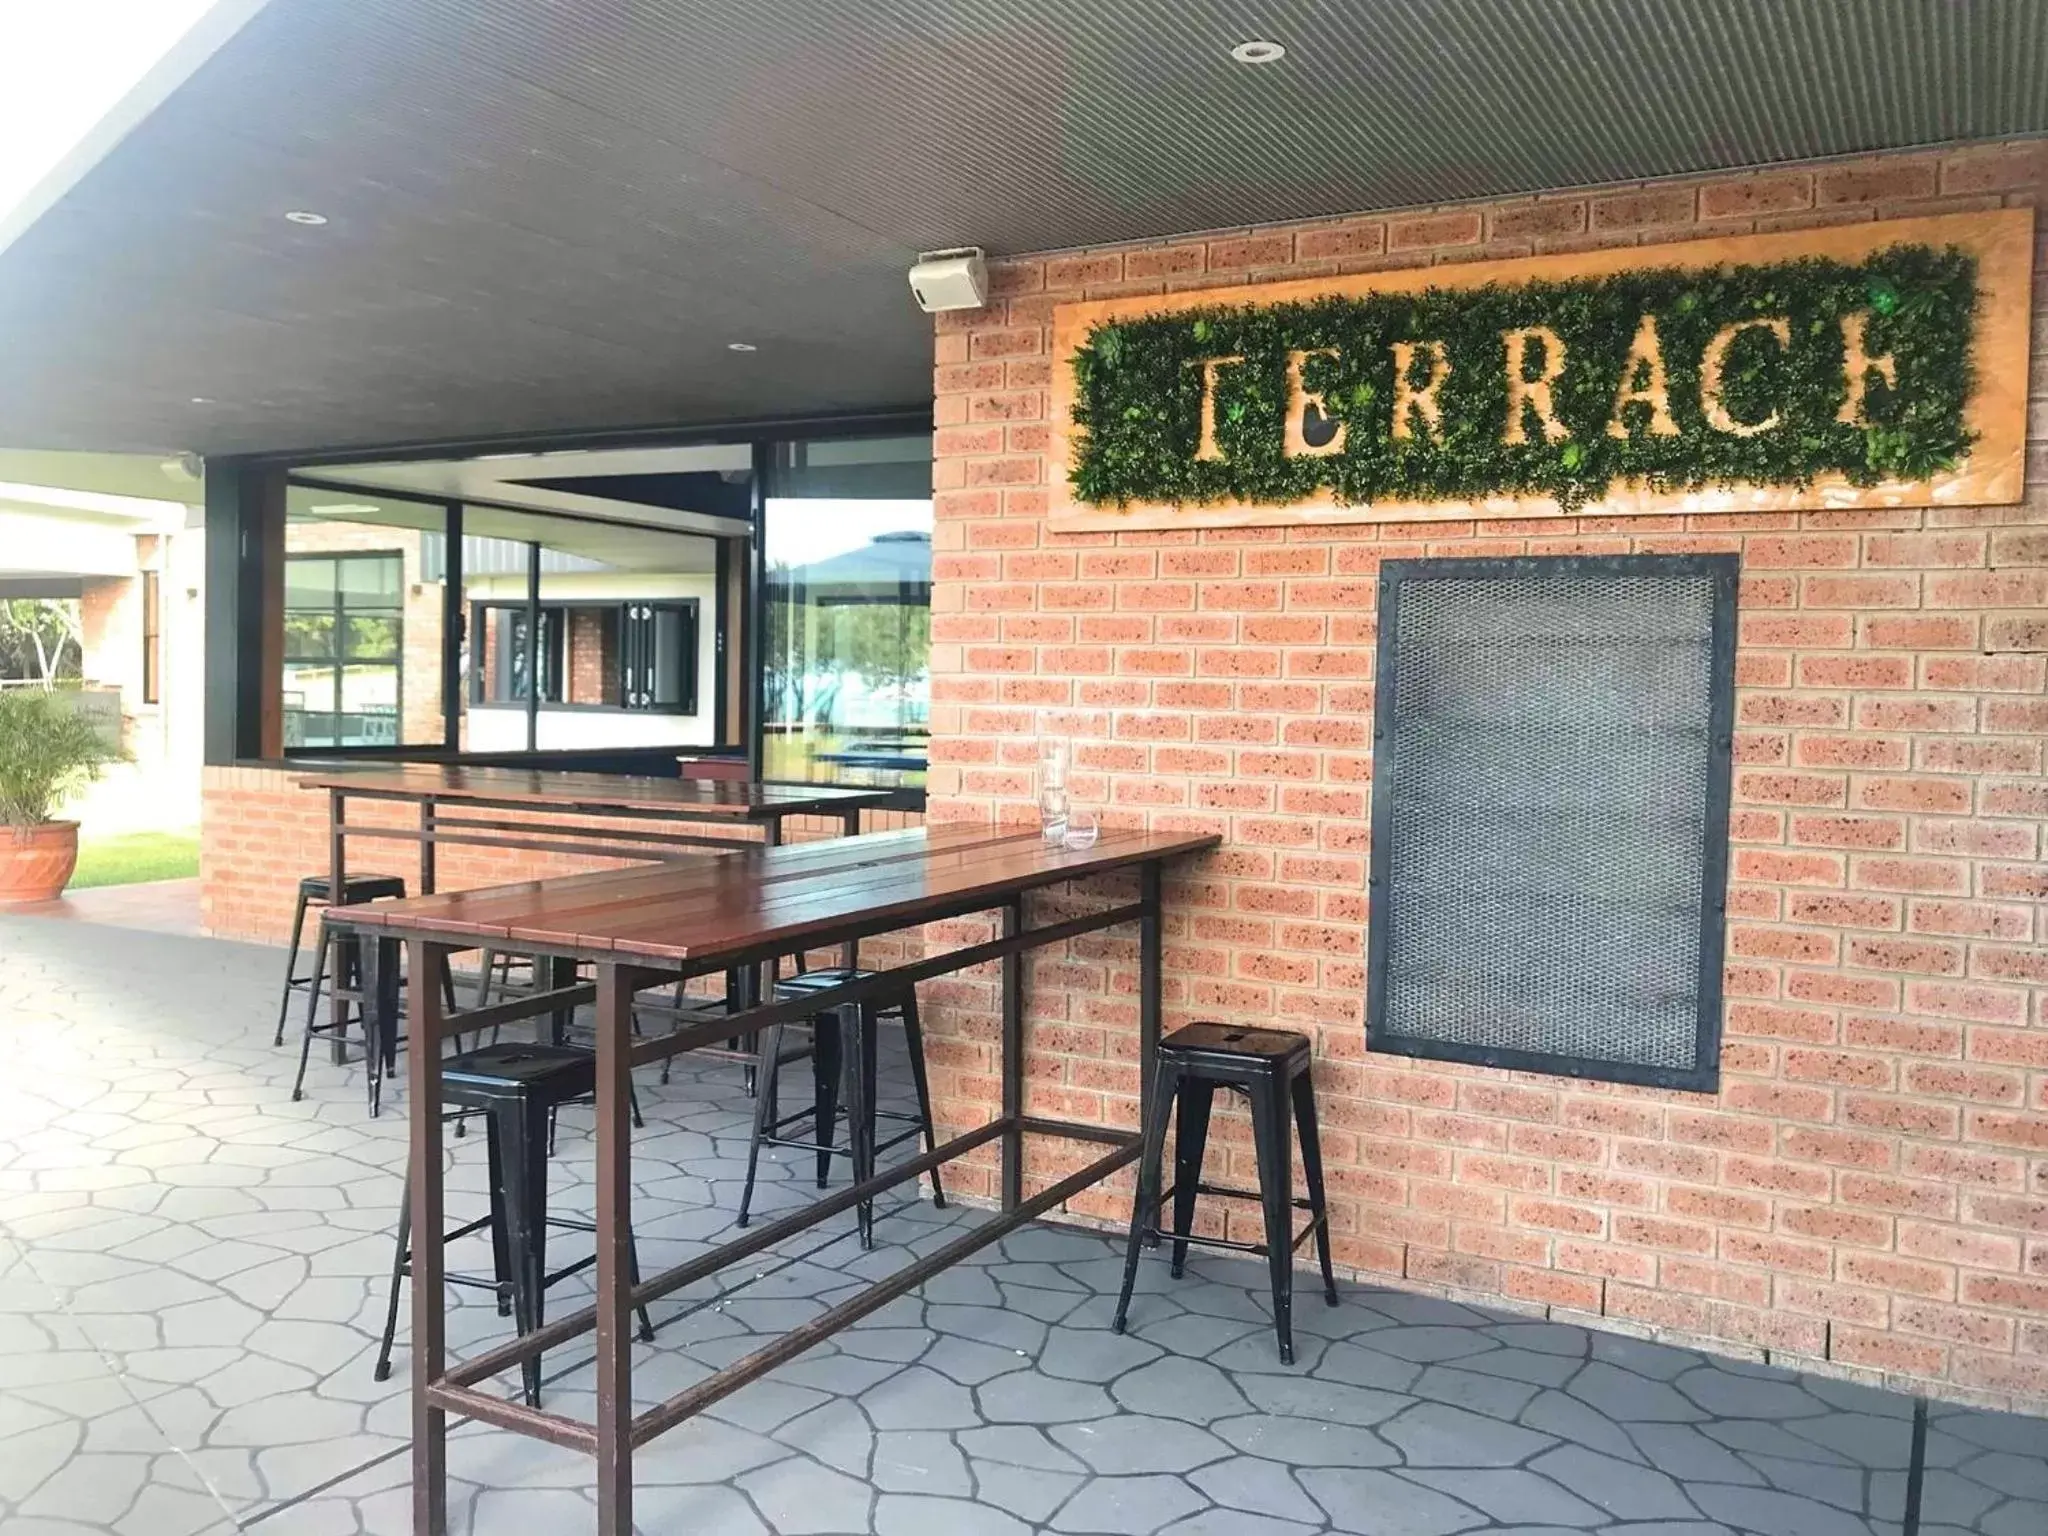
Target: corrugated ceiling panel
554	215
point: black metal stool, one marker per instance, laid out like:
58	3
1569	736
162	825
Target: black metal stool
1269	1066
313	893
843	1041
516	1088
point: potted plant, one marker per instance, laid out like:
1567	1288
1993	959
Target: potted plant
48	752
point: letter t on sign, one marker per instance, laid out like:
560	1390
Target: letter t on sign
1206	448
1533	393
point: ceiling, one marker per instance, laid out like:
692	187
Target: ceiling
553	215
578	482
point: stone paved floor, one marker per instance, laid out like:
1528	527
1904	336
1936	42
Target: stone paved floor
192	1276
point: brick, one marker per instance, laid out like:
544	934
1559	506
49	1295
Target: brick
1554	1289
1841	1303
1758	787
1250	251
1929	632
1409	234
1985	674
1921	713
1954	1245
1659	208
2016	632
1918	876
1993	168
1979	839
1907	1117
2007	1292
1879	181
1949	797
1367	238
1750	196
2026	1131
1553	216
1837	910
1902	1277
1874	832
1886	1351
1905	1196
1991	1005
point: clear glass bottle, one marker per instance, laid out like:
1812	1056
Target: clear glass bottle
1052	789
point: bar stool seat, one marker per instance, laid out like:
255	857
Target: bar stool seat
515	1088
354	888
833	1031
313	893
1271	1067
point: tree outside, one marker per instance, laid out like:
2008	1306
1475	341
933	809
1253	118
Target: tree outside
41	640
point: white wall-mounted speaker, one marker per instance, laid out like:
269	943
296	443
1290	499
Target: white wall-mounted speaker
956	279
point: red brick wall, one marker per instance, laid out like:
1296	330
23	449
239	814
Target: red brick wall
1870	1186
592	664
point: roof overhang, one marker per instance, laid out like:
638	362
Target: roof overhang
558	218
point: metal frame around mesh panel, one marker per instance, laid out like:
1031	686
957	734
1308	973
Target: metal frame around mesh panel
1551	758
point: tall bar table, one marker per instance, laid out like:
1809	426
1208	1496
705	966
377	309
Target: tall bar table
647	926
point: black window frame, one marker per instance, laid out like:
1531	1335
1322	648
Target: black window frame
1704	1076
691	610
341	658
243	510
553	623
555	617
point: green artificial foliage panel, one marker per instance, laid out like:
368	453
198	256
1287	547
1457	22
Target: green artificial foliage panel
1139	387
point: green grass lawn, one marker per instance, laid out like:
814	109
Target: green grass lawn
133	857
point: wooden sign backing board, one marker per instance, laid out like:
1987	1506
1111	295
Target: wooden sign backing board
1994	474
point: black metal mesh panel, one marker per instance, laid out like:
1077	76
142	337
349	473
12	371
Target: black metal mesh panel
1550	813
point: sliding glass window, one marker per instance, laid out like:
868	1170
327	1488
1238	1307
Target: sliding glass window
587	634
363	621
846	612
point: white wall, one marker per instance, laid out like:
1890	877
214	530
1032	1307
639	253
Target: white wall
503	729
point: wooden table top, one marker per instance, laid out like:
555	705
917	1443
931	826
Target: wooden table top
690	799
722	905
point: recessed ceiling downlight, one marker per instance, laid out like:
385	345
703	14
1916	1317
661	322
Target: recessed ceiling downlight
306	217
741	346
1257	52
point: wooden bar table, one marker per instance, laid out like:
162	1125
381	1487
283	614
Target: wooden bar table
734	813
739	811
648	926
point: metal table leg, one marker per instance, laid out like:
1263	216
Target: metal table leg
1013	1059
429	1337
337	878
614	1252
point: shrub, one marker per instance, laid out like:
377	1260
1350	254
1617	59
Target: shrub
48	752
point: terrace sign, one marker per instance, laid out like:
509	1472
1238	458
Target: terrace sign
1874	365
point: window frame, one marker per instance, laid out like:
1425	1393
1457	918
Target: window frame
479	618
560	609
152	638
245	520
1704	1075
341	657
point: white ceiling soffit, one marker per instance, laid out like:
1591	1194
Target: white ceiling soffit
143	477
213	26
500	479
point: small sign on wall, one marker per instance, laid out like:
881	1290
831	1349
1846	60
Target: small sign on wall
1880	364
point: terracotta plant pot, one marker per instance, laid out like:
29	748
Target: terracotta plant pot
36	862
